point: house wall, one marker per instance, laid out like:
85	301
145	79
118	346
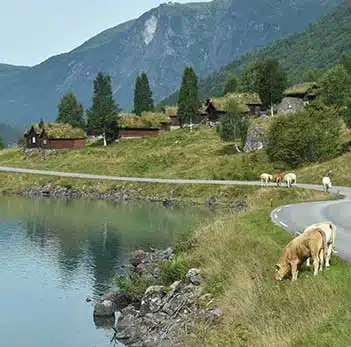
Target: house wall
130	132
63	143
290	105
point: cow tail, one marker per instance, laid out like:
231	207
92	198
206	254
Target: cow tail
333	228
324	242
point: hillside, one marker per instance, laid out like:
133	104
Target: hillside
11	70
160	42
319	46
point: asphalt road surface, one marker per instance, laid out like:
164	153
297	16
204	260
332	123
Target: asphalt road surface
294	218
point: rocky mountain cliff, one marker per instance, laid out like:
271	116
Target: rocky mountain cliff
160	42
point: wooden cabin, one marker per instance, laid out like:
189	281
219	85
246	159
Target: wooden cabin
44	138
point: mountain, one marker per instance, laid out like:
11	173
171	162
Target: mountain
9	134
320	46
160	42
11	70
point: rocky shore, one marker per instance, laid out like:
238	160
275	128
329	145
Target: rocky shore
163	313
69	193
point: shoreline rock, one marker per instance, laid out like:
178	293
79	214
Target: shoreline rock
67	193
162	313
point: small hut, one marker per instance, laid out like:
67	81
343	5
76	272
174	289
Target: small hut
54	136
297	96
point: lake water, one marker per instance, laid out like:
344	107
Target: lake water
55	253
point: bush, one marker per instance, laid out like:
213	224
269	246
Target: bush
304	137
175	269
233	125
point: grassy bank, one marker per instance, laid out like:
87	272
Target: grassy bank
176	154
239	252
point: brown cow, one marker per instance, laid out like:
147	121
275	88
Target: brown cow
312	243
278	178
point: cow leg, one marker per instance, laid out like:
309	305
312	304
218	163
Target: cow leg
329	252
315	265
321	259
294	271
308	262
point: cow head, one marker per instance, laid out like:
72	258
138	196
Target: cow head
282	269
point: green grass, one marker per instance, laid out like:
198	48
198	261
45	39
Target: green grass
238	252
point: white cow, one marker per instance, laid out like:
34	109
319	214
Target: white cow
326	183
265	178
289	178
329	229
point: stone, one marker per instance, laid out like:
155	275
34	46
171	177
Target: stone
254	140
195	276
104	309
120	300
152	299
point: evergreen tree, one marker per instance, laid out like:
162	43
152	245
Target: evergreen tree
70	111
231	85
102	116
336	86
188	102
2	143
41	123
267	78
142	95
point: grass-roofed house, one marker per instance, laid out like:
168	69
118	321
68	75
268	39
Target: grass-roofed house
213	109
297	96
54	136
248	104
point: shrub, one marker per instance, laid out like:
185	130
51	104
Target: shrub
233	125
306	136
175	269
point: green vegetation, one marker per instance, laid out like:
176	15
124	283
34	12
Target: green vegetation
9	134
143	101
231	84
146	120
2	143
233	125
70	111
336	86
238	252
188	103
304	137
267	78
101	117
59	130
318	47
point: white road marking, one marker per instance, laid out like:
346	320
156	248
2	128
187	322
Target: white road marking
283	224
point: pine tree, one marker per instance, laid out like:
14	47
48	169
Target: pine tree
102	116
142	95
70	111
2	143
188	102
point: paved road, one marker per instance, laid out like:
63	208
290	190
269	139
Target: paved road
293	218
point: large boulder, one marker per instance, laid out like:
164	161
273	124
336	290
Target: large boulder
255	139
105	308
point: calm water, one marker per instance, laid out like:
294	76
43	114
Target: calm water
55	253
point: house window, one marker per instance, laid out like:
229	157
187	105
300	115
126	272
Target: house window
33	139
44	142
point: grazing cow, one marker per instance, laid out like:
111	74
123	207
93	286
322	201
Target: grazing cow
326	183
329	229
265	178
310	244
278	178
289	178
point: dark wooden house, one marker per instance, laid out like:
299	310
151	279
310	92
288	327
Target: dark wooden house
41	138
